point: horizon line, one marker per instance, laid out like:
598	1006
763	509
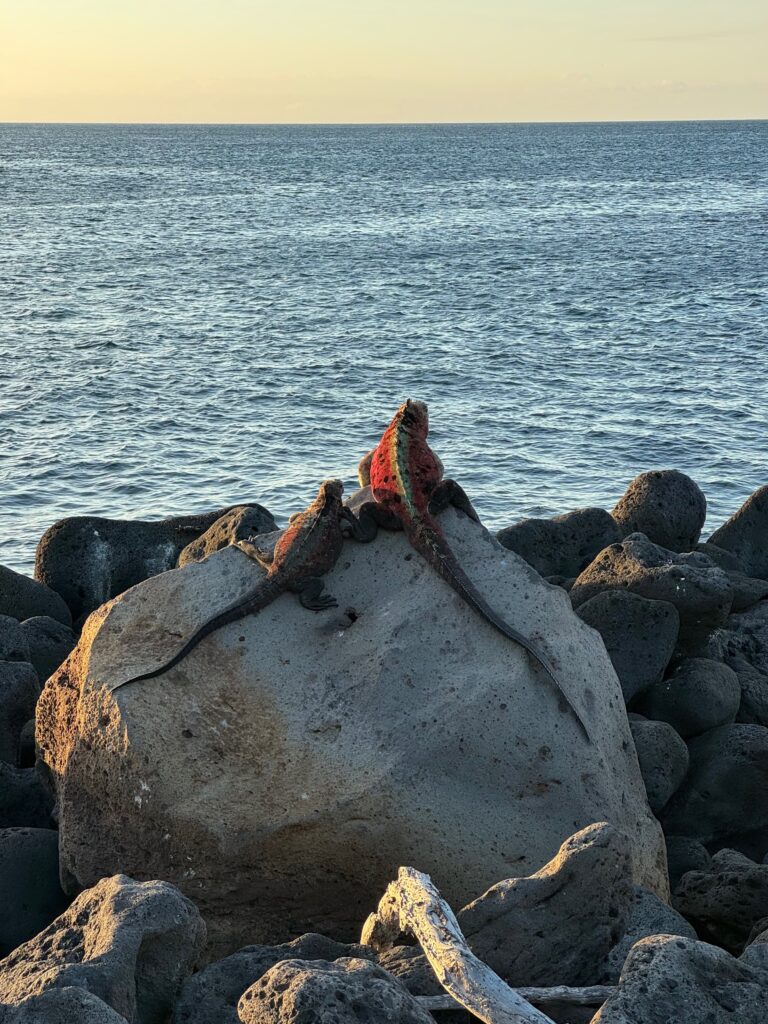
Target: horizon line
383	124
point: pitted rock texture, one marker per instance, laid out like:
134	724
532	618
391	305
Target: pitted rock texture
61	1006
560	922
673	980
726	900
722	800
240	523
648	915
88	560
663	758
283	771
130	944
211	996
639	635
700	694
683	855
24	800
700	591
21	598
666	505
745	534
348	991
562	546
753	706
13	642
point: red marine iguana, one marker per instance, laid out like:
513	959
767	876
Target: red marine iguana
405	479
305	551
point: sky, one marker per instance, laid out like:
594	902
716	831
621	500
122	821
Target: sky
336	61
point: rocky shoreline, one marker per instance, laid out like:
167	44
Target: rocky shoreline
268	788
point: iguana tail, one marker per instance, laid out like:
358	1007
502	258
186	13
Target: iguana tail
431	545
264	594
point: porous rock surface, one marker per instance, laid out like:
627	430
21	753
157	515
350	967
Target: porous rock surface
49	643
348	991
639	635
556	926
130	944
211	995
88	559
700	591
673	980
240	523
30	894
753	706
685	854
24	800
562	546
13	642
666	505
745	534
648	915
19	689
285	768
726	900
61	1006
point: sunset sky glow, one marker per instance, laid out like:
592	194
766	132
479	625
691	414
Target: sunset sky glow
382	60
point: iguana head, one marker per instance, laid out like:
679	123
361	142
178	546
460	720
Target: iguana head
414	417
331	490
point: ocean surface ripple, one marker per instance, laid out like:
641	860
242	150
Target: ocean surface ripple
196	316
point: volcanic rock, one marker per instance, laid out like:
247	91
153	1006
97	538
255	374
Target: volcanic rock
49	642
701	694
648	915
89	560
130	944
663	759
19	689
666	505
21	598
639	635
700	591
683	855
348	991
558	925
292	761
240	523
30	894
24	800
746	534
13	642
562	546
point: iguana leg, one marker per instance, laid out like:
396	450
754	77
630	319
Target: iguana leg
310	593
248	547
364	525
450	493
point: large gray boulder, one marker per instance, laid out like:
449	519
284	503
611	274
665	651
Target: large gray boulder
639	635
49	643
722	799
292	761
130	944
562	546
88	559
745	534
648	915
24	800
22	597
668	979
558	925
700	591
348	991
666	505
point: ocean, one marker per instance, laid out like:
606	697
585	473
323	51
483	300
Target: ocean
194	316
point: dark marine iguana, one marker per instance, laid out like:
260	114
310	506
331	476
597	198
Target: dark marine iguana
305	551
408	491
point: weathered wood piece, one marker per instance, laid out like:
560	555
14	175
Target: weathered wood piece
590	995
413	905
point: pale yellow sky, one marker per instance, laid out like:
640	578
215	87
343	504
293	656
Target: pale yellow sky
382	60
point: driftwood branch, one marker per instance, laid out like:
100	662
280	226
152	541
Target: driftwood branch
591	995
413	905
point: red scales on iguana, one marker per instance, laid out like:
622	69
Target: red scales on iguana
408	492
305	551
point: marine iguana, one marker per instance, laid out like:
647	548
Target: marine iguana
305	551
405	479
